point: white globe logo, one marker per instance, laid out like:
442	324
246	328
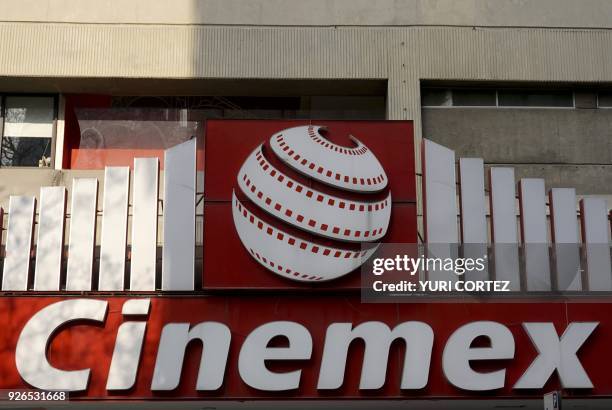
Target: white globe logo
333	222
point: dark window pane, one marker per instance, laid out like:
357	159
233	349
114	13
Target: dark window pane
585	99
435	97
473	98
535	99
605	100
24	151
29	110
306	106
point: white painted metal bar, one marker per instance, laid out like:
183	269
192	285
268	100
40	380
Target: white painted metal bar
564	223
144	224
440	193
473	206
596	242
532	199
178	264
18	243
440	204
50	240
503	226
114	228
82	236
473	213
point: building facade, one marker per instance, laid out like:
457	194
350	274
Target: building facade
85	85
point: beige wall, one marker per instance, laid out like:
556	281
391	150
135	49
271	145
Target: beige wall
403	55
511	13
403	41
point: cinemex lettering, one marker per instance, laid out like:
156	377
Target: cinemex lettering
555	354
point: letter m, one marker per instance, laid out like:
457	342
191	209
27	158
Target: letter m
377	337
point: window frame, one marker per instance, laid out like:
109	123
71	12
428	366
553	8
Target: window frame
496	106
55	97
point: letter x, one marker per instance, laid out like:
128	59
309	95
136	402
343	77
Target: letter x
557	354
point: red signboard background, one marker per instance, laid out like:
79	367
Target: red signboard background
90	346
228	143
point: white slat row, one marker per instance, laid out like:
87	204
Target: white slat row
178	254
179	219
439	212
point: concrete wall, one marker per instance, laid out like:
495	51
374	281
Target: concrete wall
404	56
568	147
512	13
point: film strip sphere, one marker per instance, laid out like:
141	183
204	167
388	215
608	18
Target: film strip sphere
339	223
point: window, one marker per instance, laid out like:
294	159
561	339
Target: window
605	99
319	106
27	131
436	97
474	98
512	98
485	97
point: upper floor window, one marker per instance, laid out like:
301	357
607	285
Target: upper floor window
27	128
512	98
474	98
506	98
436	97
604	99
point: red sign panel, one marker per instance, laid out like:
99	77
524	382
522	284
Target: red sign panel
82	345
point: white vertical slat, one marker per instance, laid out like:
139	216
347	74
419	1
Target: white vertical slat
565	236
440	193
473	212
440	204
82	233
596	242
179	217
144	224
532	199
504	226
18	243
50	241
114	228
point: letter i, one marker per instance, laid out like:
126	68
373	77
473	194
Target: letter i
128	346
